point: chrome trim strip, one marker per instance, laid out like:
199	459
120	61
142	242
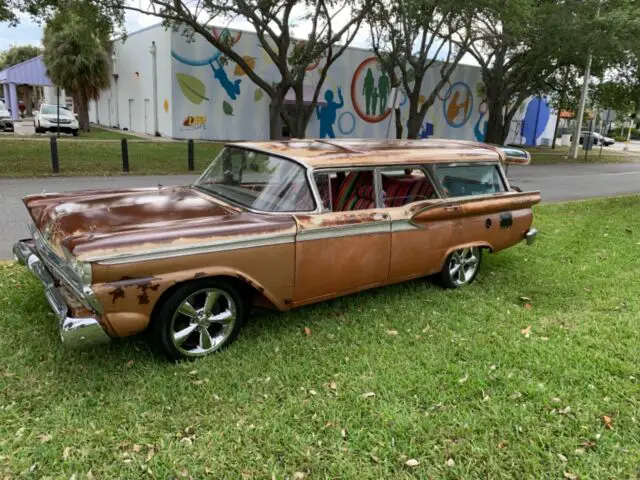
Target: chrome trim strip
220	246
74	332
403	226
345	231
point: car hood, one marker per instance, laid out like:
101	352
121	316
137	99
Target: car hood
105	223
51	117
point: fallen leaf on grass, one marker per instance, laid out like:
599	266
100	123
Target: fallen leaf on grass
313	392
392	332
193	372
463	379
526	331
528	306
368	395
608	422
412	462
44	438
588	444
333	386
570	476
451	463
184	473
130	363
579	451
562	458
66	452
299	475
502	444
525	299
374	458
588	290
344	433
307	331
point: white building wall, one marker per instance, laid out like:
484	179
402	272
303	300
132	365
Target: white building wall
134	94
201	95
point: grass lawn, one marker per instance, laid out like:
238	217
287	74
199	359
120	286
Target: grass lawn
32	158
471	384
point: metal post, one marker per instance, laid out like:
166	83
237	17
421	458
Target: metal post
190	155
535	125
58	109
154	73
587	141
55	164
125	155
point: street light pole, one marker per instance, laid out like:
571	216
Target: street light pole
583	101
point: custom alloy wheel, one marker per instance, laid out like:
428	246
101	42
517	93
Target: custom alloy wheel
461	267
199	318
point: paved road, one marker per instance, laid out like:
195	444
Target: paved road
556	182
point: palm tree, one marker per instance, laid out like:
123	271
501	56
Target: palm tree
76	59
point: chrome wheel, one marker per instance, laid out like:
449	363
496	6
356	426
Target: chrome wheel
203	322
463	265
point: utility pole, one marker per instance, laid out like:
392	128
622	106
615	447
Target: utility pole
583	101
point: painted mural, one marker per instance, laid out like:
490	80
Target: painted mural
212	97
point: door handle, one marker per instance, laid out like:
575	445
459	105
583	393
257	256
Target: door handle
379	216
454	208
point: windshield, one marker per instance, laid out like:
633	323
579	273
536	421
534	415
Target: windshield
53	110
258	181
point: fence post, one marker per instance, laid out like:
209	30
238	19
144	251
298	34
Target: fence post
190	155
125	155
55	164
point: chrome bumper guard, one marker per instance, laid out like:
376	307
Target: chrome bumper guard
74	332
530	236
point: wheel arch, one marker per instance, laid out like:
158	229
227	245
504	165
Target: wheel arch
479	244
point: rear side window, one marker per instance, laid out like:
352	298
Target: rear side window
463	180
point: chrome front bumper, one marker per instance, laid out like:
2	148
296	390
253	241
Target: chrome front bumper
74	332
530	236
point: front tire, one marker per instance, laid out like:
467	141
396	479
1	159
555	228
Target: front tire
461	267
198	319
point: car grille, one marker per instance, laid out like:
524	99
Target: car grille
62	121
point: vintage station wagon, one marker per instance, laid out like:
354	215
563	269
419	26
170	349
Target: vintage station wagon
275	224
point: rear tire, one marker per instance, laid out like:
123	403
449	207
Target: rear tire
461	267
199	318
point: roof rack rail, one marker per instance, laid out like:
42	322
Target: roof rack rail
339	145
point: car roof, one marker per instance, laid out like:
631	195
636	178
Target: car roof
359	152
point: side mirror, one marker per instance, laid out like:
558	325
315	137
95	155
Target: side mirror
515	156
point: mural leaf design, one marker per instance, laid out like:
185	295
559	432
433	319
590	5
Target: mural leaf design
192	88
251	61
257	96
227	108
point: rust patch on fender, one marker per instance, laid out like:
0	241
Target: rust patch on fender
200	275
116	293
143	297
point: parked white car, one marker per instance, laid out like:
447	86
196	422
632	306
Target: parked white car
6	123
46	120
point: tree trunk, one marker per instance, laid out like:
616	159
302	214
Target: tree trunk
495	122
275	130
414	123
83	114
398	116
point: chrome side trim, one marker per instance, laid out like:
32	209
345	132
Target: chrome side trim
74	332
169	252
344	231
403	226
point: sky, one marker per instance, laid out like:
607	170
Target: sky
29	32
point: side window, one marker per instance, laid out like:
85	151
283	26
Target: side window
462	180
403	186
345	191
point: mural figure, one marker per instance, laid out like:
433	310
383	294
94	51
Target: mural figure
232	88
481	132
374	98
383	90
367	91
327	113
426	131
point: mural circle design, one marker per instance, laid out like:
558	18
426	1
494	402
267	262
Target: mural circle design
458	104
342	128
370	92
439	94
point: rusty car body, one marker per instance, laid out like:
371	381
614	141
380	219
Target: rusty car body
278	224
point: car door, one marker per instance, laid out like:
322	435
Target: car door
346	247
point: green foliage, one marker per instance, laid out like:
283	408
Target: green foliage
76	56
18	54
